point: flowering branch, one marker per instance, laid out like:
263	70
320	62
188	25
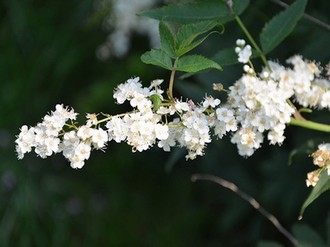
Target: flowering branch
306	16
258	107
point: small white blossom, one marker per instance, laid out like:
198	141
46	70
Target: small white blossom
84	132
181	106
99	138
243	51
209	101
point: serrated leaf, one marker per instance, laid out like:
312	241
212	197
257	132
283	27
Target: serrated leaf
186	35
195	63
227	56
157	57
196	12
280	26
322	186
307	237
167	40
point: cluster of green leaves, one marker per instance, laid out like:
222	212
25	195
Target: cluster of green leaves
177	46
200	18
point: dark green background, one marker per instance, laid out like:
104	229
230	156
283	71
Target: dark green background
47	56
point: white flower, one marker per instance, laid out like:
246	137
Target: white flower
64	112
247	140
210	101
25	141
141	102
52	144
70	142
156	83
181	106
240	42
117	129
169	142
91	119
82	151
84	132
245	54
224	114
312	178
244	51
99	138
76	162
126	91
161	131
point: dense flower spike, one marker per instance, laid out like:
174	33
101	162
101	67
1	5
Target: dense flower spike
258	107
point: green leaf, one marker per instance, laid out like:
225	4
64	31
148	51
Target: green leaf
196	12
187	34
195	63
227	56
280	26
322	186
307	237
157	57
167	40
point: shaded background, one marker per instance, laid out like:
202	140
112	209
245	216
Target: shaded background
48	56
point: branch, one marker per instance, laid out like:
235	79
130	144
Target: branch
310	125
249	199
306	16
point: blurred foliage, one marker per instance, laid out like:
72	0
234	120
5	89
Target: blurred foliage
142	199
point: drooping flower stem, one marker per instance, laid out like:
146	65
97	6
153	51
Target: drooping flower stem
310	125
253	43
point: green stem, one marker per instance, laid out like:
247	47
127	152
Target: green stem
171	84
109	117
310	125
250	38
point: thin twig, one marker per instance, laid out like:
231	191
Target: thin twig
249	199
306	16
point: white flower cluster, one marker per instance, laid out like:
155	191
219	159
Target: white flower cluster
48	137
321	158
173	123
261	102
310	89
187	125
257	106
260	105
142	127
